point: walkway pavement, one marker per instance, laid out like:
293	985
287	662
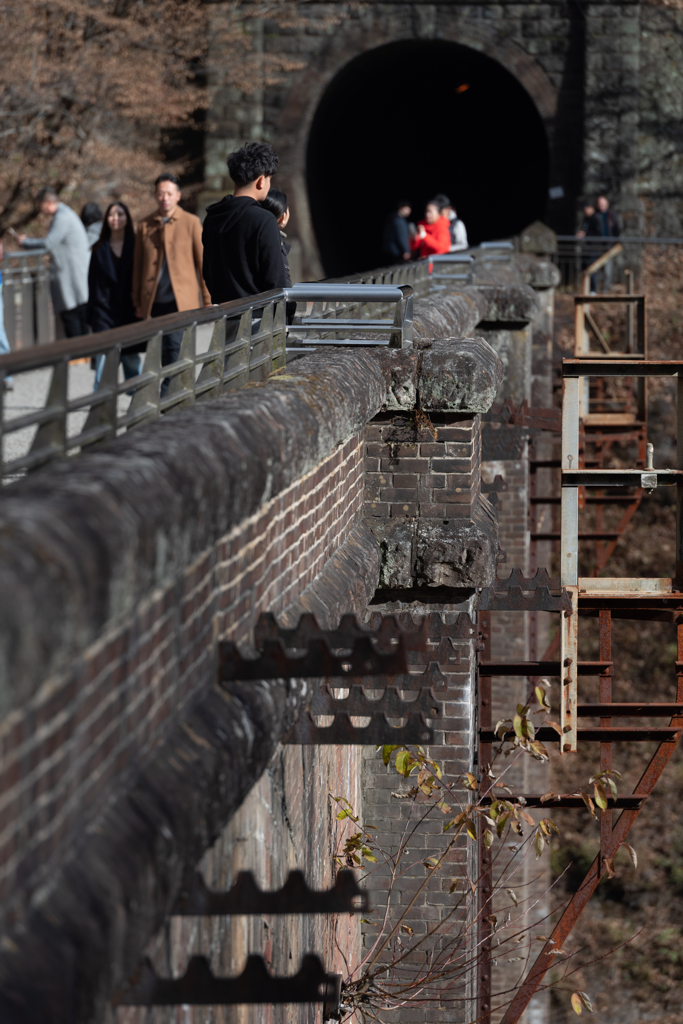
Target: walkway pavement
30	394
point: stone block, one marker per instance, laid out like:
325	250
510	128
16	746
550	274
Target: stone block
459	376
400	372
454	554
395	539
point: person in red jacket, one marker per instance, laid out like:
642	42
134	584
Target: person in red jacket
433	233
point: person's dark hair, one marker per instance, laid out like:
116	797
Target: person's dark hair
434	202
128	231
166	176
399	204
251	161
46	193
91	214
275	202
441	200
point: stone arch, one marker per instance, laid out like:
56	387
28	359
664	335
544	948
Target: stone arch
304	96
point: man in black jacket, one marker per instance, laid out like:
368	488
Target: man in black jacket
242	254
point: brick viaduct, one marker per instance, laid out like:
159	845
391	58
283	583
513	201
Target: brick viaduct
124	764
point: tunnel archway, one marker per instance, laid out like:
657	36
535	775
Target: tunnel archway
413	118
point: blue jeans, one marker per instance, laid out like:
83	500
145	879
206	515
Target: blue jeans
4	343
130	361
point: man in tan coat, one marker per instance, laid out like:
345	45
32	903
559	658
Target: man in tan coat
167	270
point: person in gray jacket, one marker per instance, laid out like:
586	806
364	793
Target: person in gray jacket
69	248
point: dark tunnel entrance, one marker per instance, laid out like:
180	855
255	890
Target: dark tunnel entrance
411	119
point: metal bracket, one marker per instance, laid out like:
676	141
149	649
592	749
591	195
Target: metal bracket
245	897
274	662
351	650
390	703
343	732
200	987
507	594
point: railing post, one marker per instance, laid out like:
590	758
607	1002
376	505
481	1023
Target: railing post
261	351
212	370
236	372
570	495
105	413
9	309
183	383
51	436
28	327
42	303
279	352
146	395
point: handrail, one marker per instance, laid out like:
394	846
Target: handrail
594	239
23	254
249	342
89	345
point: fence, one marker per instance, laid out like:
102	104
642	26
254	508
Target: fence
26	298
249	339
574	255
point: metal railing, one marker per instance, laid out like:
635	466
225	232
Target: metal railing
26	298
574	256
248	342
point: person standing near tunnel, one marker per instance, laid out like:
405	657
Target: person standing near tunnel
242	244
396	242
433	236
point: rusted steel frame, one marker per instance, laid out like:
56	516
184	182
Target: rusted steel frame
613	734
618	835
200	987
485	748
605	695
679	488
295	897
538	668
628	515
631	710
600	367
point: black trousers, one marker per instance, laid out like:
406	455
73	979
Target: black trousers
170	343
73	321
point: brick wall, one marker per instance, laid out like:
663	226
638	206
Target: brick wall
288	821
62	752
434	476
121	769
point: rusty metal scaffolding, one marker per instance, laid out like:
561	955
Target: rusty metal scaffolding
659	599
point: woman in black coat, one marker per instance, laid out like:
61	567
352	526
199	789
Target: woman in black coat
110	285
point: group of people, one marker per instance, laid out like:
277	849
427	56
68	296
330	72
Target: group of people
106	273
599	222
440	231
